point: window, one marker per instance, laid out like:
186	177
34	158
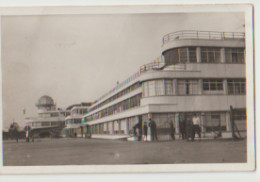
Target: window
151	86
188	87
214	121
145	89
192	55
234	55
212	84
180	55
181	85
169	87
236	86
160	88
183	55
210	55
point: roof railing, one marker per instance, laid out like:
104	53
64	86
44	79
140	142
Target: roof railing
206	35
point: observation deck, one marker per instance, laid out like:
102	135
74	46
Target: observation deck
201	35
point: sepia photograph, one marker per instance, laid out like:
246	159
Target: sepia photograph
130	90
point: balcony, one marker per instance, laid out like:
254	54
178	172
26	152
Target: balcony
201	35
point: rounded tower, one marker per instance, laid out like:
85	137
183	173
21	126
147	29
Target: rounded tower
45	103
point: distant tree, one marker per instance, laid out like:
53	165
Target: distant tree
14	131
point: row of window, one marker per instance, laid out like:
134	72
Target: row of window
192	87
55	114
117	108
73	121
79	111
210	121
47	123
207	55
120	94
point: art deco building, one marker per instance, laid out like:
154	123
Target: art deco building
198	72
50	121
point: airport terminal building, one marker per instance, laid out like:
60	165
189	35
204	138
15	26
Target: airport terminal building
49	120
198	72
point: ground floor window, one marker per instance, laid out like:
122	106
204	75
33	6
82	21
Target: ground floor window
214	121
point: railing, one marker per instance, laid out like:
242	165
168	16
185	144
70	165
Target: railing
158	63
206	35
119	85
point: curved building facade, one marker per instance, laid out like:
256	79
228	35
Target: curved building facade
200	73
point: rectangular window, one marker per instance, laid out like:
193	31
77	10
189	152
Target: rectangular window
169	87
194	87
151	88
234	55
213	85
160	89
181	85
188	87
214	121
236	86
210	55
183	55
175	56
192	55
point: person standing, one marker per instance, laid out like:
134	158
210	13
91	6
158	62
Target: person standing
152	125
183	128
145	129
27	135
172	130
196	126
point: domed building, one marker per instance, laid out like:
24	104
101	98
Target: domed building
50	121
46	103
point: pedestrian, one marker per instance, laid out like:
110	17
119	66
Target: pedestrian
172	130
195	126
27	135
152	126
183	128
145	129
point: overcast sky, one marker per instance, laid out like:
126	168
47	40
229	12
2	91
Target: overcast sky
78	58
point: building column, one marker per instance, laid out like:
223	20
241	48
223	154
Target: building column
188	55
177	123
200	86
225	85
222	55
228	122
198	55
175	87
112	129
127	126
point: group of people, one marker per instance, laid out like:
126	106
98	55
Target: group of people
188	128
140	131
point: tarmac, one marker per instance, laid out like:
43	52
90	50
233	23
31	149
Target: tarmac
81	151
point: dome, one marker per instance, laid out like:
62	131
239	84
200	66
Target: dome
45	100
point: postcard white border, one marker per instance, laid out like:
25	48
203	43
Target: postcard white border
126	9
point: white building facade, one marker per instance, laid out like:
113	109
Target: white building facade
198	72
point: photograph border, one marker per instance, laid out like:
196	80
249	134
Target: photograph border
151	168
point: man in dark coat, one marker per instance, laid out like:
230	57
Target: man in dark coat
152	125
183	128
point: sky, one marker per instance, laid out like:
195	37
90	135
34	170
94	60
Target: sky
78	58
